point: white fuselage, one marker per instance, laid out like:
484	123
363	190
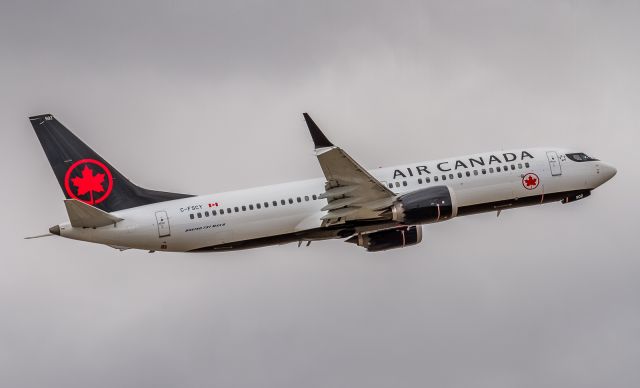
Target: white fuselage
293	209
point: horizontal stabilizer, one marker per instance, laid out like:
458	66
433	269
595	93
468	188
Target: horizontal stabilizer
82	215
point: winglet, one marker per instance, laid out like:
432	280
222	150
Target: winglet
319	139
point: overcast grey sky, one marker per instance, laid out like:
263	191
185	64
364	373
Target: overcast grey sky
201	97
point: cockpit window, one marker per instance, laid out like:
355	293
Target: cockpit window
580	157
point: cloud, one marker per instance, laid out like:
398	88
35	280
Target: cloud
205	97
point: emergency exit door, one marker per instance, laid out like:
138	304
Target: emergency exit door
554	163
162	220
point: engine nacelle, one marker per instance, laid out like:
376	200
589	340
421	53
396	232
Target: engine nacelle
424	206
388	239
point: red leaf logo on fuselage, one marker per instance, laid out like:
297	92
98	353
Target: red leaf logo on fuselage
88	179
530	181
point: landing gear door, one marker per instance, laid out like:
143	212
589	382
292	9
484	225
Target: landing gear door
554	163
162	220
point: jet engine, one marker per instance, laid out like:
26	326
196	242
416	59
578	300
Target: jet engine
388	239
424	206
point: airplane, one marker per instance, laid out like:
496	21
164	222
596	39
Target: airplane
377	209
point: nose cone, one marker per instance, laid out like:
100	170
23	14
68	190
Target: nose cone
606	172
609	171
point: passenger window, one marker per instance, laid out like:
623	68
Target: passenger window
427	179
526	164
221	211
228	210
491	170
250	207
475	172
450	176
484	171
206	214
397	184
199	215
290	200
419	181
258	206
274	203
520	166
299	199
306	197
498	169
244	208
444	177
314	197
435	178
404	183
513	166
213	212
266	205
282	202
459	175
468	173
191	216
236	209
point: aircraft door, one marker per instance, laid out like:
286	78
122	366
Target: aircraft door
162	219
554	163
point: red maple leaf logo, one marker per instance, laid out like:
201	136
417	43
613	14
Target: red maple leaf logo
89	183
530	181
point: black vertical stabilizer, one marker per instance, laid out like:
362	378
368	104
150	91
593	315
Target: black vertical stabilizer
85	176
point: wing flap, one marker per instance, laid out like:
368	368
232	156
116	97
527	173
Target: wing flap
379	204
339	213
338	203
337	191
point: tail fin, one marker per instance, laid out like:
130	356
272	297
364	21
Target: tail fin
83	175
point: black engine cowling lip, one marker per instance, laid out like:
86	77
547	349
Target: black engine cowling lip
428	205
392	238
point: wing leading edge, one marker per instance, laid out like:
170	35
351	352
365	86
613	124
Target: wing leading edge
352	193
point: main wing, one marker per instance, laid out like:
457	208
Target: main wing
352	193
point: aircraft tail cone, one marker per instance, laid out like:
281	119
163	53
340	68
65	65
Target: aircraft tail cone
55	230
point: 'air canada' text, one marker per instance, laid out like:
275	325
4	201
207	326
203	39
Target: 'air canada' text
452	165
